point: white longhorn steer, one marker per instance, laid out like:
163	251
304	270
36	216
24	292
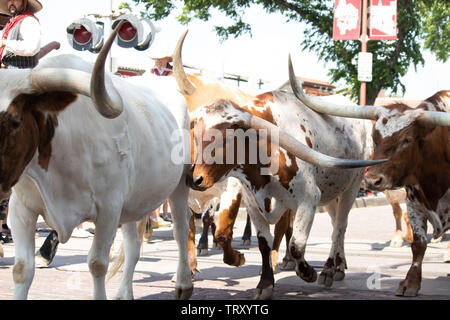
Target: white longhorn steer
69	163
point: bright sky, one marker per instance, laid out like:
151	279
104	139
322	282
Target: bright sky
262	56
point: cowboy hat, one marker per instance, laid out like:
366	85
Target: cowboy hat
33	5
160	52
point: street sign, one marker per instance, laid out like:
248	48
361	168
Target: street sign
347	19
383	20
365	66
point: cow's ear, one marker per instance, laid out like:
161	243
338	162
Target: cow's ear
47	124
55	101
423	128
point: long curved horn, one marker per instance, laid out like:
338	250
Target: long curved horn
106	99
305	153
183	82
107	102
360	112
436	118
60	79
350	111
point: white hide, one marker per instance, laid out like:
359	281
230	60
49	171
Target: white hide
108	171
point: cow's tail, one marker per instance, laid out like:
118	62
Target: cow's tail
119	261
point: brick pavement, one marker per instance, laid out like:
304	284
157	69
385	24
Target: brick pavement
367	249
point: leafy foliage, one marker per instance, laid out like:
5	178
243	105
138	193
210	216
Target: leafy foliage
419	23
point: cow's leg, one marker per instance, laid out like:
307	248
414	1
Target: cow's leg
247	236
334	268
264	289
397	240
180	215
131	248
46	253
411	285
192	254
215	244
302	226
224	232
281	229
409	233
288	262
98	257
202	247
327	274
23	228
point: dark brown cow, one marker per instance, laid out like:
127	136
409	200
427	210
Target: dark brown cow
419	155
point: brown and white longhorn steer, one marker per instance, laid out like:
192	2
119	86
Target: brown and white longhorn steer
419	154
298	185
417	143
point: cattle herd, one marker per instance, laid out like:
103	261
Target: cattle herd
80	144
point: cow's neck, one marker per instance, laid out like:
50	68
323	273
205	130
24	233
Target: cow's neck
433	174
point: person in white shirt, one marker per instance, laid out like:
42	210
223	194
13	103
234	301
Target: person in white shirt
20	41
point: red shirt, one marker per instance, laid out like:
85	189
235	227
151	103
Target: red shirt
165	72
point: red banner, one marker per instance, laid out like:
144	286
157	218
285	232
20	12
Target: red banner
383	20
347	19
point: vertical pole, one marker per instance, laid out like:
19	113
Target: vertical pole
107	32
362	95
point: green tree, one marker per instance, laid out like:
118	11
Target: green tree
420	24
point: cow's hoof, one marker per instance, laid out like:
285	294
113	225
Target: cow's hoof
246	242
41	262
437	240
306	272
240	260
326	278
339	275
124	296
396	243
183	294
406	291
263	294
287	264
236	261
202	252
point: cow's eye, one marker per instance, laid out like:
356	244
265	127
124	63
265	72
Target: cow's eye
15	123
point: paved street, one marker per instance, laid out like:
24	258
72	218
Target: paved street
374	268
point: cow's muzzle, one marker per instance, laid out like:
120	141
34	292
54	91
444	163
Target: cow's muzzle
377	182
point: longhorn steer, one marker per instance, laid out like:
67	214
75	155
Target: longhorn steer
199	90
296	185
69	164
419	154
417	143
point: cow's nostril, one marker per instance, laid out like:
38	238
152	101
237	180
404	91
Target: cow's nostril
378	182
198	181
